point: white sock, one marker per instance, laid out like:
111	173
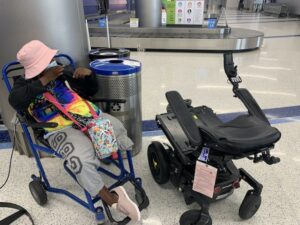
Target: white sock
114	206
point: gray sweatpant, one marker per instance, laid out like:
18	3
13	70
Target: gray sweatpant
77	149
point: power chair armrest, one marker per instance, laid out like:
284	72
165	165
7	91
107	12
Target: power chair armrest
184	117
250	103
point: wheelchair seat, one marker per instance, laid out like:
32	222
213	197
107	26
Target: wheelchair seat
242	135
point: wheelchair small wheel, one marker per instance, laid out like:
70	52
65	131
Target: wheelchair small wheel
158	162
38	192
100	217
250	205
193	217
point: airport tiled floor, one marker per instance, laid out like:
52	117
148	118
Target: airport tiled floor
272	76
279	205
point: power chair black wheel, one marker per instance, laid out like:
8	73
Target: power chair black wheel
158	162
38	192
195	217
250	205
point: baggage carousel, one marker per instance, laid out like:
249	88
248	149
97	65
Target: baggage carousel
177	38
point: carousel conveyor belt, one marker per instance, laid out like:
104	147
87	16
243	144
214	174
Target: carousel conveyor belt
178	38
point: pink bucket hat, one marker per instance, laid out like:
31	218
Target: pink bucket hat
35	56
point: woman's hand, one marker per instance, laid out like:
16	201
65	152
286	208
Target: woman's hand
51	74
81	72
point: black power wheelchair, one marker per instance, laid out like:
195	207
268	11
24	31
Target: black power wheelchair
195	131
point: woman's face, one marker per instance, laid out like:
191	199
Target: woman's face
52	64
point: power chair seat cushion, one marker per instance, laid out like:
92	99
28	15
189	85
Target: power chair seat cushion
244	134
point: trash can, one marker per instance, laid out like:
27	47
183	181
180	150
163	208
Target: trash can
105	53
121	79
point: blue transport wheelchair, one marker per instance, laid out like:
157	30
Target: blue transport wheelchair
40	185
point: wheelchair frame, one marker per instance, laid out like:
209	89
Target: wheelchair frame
124	176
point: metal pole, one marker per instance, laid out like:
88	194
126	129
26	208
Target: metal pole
225	16
107	32
88	35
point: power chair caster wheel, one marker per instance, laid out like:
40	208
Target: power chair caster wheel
38	192
195	217
250	205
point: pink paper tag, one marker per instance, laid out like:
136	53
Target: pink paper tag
205	179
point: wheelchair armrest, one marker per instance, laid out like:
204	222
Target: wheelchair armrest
184	117
23	119
106	100
41	125
188	102
253	108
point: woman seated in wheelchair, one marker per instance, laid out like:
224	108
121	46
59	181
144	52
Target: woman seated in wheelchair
70	88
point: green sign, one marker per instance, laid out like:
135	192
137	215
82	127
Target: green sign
171	10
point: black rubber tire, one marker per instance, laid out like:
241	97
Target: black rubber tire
192	217
38	192
158	162
250	205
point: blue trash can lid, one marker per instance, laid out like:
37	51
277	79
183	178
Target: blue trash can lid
115	66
